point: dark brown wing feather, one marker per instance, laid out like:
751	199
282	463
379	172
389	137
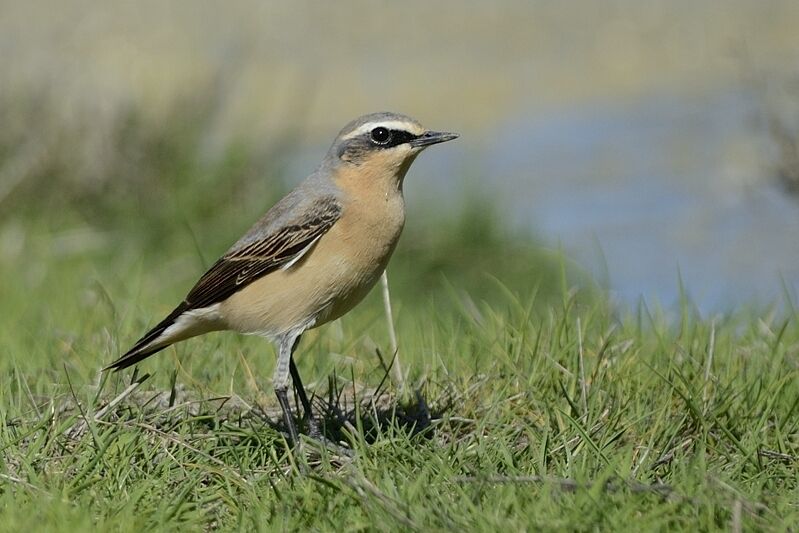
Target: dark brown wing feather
240	267
235	270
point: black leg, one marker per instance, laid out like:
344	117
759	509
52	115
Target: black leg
313	426
286	367
286	345
288	418
295	378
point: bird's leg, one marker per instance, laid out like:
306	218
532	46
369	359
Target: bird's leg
313	425
281	383
285	365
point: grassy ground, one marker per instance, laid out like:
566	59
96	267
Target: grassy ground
548	411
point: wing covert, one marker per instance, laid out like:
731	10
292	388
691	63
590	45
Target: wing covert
241	266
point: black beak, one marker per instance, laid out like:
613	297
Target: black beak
433	137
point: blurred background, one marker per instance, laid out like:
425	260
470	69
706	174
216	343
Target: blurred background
645	148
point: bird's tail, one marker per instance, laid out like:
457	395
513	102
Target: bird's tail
147	345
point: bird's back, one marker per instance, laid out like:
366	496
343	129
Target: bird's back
294	208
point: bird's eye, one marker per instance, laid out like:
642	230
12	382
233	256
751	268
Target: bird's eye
380	135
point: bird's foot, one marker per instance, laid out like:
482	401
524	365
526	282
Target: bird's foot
315	435
325	445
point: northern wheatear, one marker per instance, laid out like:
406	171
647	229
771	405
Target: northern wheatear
312	257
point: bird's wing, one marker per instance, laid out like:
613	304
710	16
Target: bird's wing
257	254
279	248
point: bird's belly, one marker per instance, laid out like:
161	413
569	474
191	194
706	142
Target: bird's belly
326	283
354	278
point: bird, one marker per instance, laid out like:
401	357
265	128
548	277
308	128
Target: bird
311	258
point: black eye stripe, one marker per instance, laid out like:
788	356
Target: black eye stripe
396	137
401	137
355	149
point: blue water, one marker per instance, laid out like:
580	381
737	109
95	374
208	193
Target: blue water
645	193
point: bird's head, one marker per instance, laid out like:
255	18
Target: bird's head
384	143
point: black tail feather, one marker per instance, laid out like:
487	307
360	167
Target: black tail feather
131	358
140	350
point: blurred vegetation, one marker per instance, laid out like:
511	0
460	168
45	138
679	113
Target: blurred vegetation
784	129
131	166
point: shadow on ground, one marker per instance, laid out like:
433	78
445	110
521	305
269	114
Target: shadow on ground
348	415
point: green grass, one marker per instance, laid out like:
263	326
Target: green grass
550	411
